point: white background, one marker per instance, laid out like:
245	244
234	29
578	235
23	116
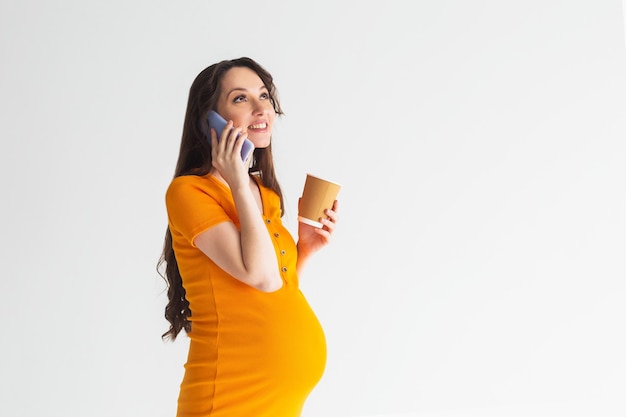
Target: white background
479	262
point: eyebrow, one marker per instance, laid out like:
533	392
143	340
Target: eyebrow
262	87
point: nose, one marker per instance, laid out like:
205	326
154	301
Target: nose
258	107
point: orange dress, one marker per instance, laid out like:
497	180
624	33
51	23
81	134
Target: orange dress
251	353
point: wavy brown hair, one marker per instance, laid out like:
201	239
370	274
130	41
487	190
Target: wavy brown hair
194	158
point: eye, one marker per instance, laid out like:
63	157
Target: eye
239	99
265	96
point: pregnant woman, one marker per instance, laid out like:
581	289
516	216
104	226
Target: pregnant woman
256	347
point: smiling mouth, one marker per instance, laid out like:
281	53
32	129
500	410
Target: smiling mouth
258	126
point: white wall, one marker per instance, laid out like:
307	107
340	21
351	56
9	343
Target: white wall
480	256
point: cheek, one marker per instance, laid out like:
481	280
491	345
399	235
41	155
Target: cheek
238	120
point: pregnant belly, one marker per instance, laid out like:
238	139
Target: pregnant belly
282	343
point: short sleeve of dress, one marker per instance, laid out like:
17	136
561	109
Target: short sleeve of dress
193	206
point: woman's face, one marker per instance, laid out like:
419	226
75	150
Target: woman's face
245	100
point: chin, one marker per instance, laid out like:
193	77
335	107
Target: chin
261	144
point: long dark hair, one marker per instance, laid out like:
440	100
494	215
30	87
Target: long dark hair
194	158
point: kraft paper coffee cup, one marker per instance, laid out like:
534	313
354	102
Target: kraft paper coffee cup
318	195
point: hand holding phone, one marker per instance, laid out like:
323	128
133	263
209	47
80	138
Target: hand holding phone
218	123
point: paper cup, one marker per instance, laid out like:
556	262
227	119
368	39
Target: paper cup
318	195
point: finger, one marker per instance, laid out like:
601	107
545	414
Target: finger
328	224
332	214
214	144
325	234
231	137
239	139
222	139
223	146
227	131
213	138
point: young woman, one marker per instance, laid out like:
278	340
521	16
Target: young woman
256	347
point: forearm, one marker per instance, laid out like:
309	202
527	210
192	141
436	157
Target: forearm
303	257
257	250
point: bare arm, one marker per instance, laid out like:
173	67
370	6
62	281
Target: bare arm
247	254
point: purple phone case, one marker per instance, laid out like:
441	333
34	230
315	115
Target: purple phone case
218	123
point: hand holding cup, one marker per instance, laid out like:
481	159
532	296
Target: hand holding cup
318	195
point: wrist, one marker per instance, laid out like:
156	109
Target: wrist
303	251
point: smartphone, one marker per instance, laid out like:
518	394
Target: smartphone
218	123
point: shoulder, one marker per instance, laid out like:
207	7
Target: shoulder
193	187
195	202
188	180
191	183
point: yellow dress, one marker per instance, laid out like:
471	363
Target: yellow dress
251	354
